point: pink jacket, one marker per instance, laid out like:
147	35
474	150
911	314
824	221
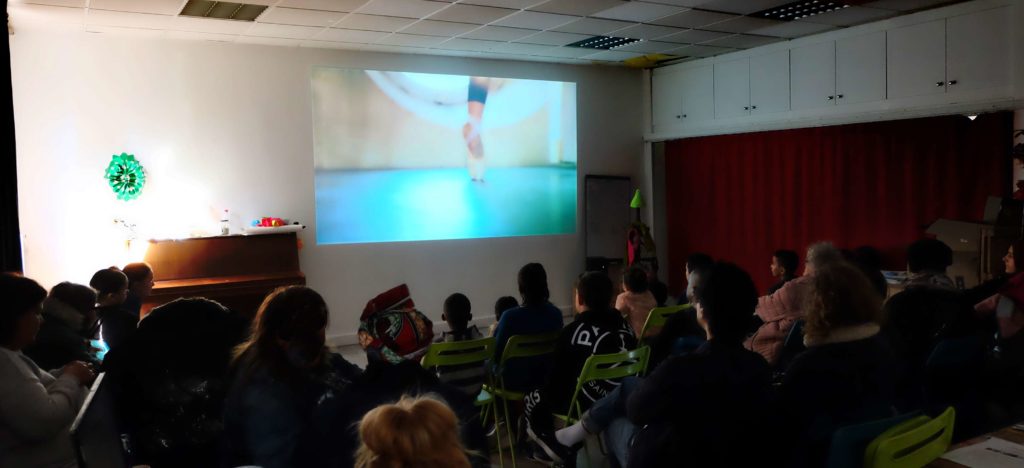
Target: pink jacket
635	308
779	311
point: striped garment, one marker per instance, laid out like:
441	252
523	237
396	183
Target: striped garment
467	377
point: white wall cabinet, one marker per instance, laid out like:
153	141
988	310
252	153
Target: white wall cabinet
666	108
813	75
732	89
769	83
685	98
860	69
916	60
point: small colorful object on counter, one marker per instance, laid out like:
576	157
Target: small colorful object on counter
271	225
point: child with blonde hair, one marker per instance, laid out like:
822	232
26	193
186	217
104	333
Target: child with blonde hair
413	432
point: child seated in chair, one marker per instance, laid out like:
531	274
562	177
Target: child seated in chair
457	313
636	301
500	306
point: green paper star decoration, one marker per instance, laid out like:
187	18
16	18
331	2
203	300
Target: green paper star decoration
125	176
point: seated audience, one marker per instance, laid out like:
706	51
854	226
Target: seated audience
780	310
869	260
140	285
283	377
659	290
467	377
928	310
598	329
170	380
682	332
1007	306
783	267
415	432
395	336
68	318
694	262
36	407
636	301
699	408
116	323
846	374
500	306
535	315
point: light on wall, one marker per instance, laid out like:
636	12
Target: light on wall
972	116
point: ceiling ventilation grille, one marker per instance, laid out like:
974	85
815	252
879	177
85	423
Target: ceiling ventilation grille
222	10
603	42
801	9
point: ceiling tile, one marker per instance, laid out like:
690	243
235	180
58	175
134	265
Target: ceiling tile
514	4
300	17
498	33
613	55
373	22
741	7
577	7
792	29
207	25
535	20
129	20
411	40
553	38
157	7
459	43
694	19
743	41
683	3
520	48
742	24
45	15
647	31
593	26
333	5
328	45
694	36
402	8
566	52
63	3
200	36
134	32
273	41
439	28
282	31
701	51
350	35
648	47
639	11
907	5
851	16
471	14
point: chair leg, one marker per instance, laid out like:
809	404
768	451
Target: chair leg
508	426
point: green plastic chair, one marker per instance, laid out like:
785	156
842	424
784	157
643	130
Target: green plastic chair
659	315
517	347
606	367
913	443
460	353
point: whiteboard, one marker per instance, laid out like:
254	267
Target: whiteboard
607	215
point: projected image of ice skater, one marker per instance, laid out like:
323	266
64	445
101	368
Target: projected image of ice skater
478	88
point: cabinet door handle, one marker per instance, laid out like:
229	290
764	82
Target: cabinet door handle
753	107
679	116
831	98
684	116
746	108
951	82
839	96
938	83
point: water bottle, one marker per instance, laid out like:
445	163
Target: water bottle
224	228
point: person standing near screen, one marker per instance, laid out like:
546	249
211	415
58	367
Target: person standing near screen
478	88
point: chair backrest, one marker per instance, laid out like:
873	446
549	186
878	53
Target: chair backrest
608	367
95	434
913	443
524	346
458	353
849	442
659	315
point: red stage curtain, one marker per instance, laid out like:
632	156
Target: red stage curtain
741	197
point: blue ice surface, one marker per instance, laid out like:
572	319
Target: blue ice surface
356	206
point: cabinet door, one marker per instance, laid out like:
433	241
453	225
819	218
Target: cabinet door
916	60
978	50
860	68
769	83
813	75
732	89
666	101
698	94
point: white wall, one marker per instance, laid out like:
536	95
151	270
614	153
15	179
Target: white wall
229	126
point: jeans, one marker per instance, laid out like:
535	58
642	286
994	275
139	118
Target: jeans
607	416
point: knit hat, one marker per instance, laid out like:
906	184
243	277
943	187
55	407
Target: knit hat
399	331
